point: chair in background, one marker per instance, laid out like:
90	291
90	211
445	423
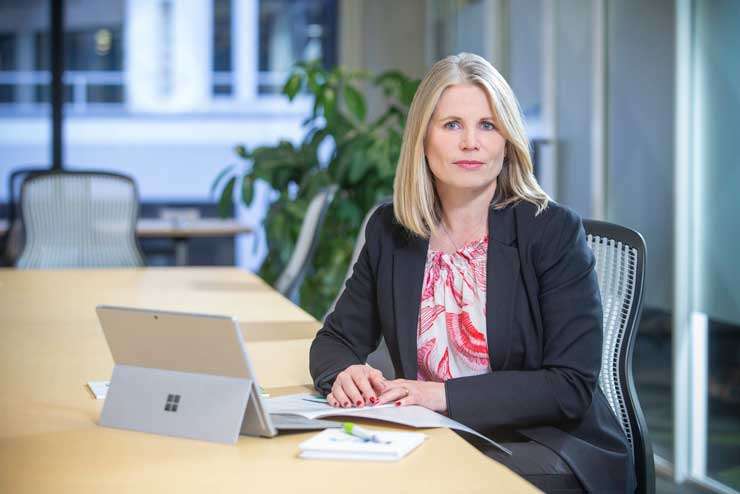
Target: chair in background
76	219
290	280
380	358
620	268
11	245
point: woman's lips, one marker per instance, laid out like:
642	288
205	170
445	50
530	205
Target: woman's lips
469	164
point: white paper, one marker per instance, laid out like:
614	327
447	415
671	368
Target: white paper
306	406
99	388
338	445
411	415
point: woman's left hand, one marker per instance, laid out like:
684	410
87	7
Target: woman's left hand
430	395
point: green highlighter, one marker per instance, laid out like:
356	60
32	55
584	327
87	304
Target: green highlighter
364	434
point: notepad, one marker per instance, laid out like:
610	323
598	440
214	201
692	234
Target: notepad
334	444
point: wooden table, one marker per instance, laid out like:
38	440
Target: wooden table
49	441
181	231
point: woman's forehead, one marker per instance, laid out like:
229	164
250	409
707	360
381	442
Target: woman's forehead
467	98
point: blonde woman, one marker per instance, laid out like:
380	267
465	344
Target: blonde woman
484	291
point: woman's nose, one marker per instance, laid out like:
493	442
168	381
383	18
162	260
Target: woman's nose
468	140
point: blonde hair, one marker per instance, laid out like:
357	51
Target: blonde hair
415	202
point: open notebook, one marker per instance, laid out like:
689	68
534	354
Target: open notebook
311	407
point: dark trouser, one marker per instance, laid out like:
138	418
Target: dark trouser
537	464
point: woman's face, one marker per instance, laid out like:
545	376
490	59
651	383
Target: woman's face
463	148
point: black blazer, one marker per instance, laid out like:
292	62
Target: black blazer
544	335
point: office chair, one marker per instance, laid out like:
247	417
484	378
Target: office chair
79	219
12	242
290	280
620	268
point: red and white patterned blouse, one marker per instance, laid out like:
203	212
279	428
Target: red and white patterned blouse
451	334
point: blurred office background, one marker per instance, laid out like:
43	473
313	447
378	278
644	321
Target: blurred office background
633	107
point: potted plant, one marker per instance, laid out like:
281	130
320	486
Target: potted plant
362	164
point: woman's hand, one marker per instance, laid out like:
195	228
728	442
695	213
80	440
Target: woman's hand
430	395
356	386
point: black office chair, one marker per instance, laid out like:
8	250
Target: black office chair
620	268
78	219
291	278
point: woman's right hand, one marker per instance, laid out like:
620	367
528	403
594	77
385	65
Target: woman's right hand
356	386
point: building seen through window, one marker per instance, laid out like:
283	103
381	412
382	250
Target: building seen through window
291	31
93	61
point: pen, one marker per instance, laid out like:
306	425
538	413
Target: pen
357	431
315	399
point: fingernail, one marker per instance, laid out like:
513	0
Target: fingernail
398	403
346	404
359	403
373	400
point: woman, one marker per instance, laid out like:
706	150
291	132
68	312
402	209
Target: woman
484	291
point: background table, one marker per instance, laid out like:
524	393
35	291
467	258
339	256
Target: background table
180	231
52	345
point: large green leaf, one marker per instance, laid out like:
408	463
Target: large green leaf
355	102
227	198
247	190
408	90
220	177
293	85
329	101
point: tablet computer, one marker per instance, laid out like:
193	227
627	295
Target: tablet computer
181	374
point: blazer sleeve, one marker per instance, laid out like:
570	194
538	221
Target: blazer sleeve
570	307
352	331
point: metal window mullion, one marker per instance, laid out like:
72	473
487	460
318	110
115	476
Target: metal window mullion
683	265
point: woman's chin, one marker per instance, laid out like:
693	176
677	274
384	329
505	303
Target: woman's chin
468	183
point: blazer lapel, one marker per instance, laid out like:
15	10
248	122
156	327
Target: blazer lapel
408	278
502	272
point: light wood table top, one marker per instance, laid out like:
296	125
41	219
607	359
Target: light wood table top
49	438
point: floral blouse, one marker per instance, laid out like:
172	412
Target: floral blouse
451	334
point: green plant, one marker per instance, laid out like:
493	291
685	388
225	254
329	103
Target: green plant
362	163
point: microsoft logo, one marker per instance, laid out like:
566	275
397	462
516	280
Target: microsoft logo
172	403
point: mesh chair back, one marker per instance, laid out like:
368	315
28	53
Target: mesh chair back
14	238
289	281
620	266
79	219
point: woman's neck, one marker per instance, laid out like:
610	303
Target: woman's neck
465	212
465	208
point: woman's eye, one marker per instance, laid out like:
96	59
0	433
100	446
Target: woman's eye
488	125
453	124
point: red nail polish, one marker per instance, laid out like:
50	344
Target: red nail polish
346	404
398	403
373	400
359	403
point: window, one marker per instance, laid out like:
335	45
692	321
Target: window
222	42
7	63
291	31
93	63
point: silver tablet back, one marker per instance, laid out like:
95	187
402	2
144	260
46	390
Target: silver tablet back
180	374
